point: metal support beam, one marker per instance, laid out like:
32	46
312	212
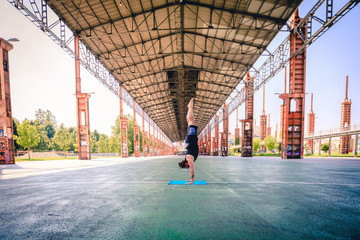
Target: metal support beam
293	136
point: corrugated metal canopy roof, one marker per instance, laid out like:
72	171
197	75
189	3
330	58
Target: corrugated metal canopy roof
164	52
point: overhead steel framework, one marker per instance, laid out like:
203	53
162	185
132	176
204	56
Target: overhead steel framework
277	60
165	52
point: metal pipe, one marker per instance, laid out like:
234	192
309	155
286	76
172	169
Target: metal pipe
346	91
263	113
121	102
77	65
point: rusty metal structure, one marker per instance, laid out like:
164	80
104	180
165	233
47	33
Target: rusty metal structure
82	111
144	140
208	152
151	150
225	133
281	55
311	126
263	119
293	125
136	134
247	123
7	151
163	53
215	145
282	107
123	129
345	121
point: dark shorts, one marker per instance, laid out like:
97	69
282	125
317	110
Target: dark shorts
191	140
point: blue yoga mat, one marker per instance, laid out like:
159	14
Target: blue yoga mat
183	182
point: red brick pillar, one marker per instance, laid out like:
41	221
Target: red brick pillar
7	151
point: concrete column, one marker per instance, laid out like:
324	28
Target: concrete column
319	146
329	147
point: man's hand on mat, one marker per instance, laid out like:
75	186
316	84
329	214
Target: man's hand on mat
190	182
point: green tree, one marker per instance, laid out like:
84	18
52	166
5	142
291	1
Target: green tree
46	124
96	135
62	139
115	144
28	136
93	141
103	144
73	134
44	143
325	147
237	141
256	144
15	126
270	142
131	136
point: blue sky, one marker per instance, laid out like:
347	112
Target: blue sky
43	76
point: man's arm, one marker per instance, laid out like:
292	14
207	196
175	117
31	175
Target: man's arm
192	172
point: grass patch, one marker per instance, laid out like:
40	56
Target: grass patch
21	159
268	154
332	155
43	159
259	154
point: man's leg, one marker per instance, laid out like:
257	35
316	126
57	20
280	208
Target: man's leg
190	114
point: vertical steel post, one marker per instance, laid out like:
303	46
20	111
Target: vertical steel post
7	151
123	128
216	137
209	141
145	141
151	153
329	147
136	134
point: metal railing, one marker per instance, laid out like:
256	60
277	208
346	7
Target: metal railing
338	130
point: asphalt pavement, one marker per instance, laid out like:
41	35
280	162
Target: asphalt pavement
245	198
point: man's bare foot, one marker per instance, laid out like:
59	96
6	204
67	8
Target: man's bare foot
191	103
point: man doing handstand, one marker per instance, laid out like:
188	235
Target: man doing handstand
192	148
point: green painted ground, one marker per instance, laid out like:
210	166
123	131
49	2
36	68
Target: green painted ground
259	198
